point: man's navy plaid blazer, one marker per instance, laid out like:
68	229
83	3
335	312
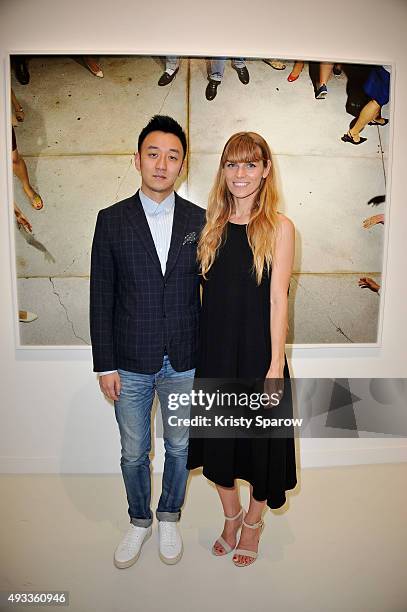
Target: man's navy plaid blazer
137	314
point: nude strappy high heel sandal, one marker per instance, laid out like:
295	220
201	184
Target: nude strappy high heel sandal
249	553
227	548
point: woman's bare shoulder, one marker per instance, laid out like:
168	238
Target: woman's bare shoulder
285	224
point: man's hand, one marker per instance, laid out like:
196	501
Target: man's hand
110	385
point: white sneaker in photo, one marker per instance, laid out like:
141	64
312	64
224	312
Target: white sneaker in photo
170	542
129	548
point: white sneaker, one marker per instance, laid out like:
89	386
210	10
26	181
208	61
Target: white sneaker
129	548
171	547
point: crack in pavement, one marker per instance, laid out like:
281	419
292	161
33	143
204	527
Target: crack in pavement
73	261
333	322
131	157
69	265
122	179
55	292
340	330
166	96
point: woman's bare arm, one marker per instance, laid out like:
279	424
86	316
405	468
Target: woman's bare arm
281	275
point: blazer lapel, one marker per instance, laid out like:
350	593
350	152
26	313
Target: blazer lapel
137	219
179	227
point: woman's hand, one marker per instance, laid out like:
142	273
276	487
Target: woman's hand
274	384
371	221
369	283
275	371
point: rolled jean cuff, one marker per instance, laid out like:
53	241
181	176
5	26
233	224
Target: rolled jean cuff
172	517
141	522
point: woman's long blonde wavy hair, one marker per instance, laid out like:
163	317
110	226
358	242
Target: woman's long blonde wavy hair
242	147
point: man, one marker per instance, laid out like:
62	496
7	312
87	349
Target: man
217	68
171	68
144	307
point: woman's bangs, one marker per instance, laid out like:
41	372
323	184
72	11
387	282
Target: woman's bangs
242	150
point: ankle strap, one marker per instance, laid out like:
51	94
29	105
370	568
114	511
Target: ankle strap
255	525
233	518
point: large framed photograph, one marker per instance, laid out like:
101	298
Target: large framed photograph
75	121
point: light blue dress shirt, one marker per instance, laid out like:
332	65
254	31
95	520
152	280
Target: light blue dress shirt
159	217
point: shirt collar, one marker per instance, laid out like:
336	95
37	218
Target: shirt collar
154	208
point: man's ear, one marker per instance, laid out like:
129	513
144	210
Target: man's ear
137	160
181	170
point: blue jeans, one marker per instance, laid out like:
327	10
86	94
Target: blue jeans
171	62
218	66
133	415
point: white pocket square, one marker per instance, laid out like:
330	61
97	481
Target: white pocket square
190	238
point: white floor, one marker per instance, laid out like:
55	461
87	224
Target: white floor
338	545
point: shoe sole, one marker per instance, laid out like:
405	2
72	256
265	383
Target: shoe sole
132	561
169	560
321	96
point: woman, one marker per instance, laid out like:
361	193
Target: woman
377	88
19	167
243	241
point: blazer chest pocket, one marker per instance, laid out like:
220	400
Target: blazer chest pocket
187	261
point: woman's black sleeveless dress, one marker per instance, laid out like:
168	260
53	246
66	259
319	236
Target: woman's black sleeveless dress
235	342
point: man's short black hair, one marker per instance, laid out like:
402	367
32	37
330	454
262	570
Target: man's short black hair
163	123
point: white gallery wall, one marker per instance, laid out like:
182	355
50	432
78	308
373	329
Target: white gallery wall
53	417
